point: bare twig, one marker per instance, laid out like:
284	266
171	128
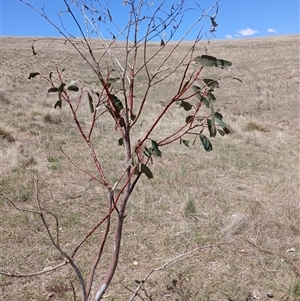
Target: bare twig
171	261
44	271
295	267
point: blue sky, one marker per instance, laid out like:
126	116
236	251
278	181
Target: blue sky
236	18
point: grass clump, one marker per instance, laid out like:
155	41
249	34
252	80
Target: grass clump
3	98
48	118
295	291
255	126
5	134
190	208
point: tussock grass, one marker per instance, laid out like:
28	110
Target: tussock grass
246	189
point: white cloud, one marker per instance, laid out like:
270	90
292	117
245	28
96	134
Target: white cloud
272	30
228	36
247	32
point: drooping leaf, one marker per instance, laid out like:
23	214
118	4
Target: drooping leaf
205	143
213	22
220	122
206	60
189	118
223	64
186	105
73	88
147	152
133	116
122	122
61	87
211	83
145	170
120	141
53	89
58	104
33	75
117	102
156	151
222	133
91	103
219	115
211	96
211	128
185	142
162	42
204	100
50	75
196	88
184	86
226	130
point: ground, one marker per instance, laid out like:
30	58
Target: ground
234	212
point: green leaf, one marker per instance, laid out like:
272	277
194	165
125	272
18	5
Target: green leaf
222	133
219	115
205	143
226	130
117	102
204	100
120	141
189	118
91	103
184	86
211	128
206	60
58	104
157	152
145	170
133	116
223	64
122	122
186	105
147	152
196	88
213	22
33	75
211	96
185	142
73	88
53	89
61	87
211	83
220	122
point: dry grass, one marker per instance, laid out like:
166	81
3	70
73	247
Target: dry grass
248	187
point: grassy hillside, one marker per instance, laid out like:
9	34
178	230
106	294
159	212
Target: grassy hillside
244	194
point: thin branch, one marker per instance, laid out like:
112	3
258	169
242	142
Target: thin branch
57	246
80	168
295	267
16	207
44	271
171	261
